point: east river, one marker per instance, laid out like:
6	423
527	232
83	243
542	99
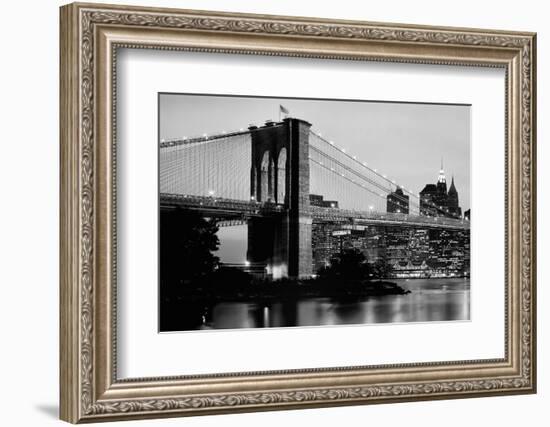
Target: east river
429	300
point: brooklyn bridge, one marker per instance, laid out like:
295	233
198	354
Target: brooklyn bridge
298	193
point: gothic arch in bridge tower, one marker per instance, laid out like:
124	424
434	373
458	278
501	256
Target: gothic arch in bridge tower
254	183
264	185
281	176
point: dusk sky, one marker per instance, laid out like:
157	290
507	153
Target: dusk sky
405	141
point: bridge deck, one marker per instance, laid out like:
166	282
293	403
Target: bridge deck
225	208
229	208
362	217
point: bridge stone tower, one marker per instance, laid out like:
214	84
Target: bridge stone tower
280	174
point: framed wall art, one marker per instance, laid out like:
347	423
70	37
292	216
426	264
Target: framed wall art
267	212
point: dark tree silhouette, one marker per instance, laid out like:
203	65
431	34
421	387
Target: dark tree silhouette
350	264
379	269
187	243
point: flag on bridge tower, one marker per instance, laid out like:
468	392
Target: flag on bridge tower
283	111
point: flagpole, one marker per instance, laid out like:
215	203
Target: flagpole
283	110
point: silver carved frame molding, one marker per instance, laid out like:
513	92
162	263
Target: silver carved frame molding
90	37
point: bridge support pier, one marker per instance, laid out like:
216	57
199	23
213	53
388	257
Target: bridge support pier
300	264
283	243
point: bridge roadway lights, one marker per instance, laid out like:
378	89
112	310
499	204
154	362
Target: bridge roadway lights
229	208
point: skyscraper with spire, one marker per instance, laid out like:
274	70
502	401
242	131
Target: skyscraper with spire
435	200
441	178
452	200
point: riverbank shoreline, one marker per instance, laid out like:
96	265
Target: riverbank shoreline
275	291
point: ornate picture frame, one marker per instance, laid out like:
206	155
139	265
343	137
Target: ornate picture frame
90	37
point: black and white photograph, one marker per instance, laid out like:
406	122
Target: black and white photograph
281	212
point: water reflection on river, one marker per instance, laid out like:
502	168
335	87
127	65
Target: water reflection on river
429	300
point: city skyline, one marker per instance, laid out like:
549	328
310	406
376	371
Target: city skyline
423	135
